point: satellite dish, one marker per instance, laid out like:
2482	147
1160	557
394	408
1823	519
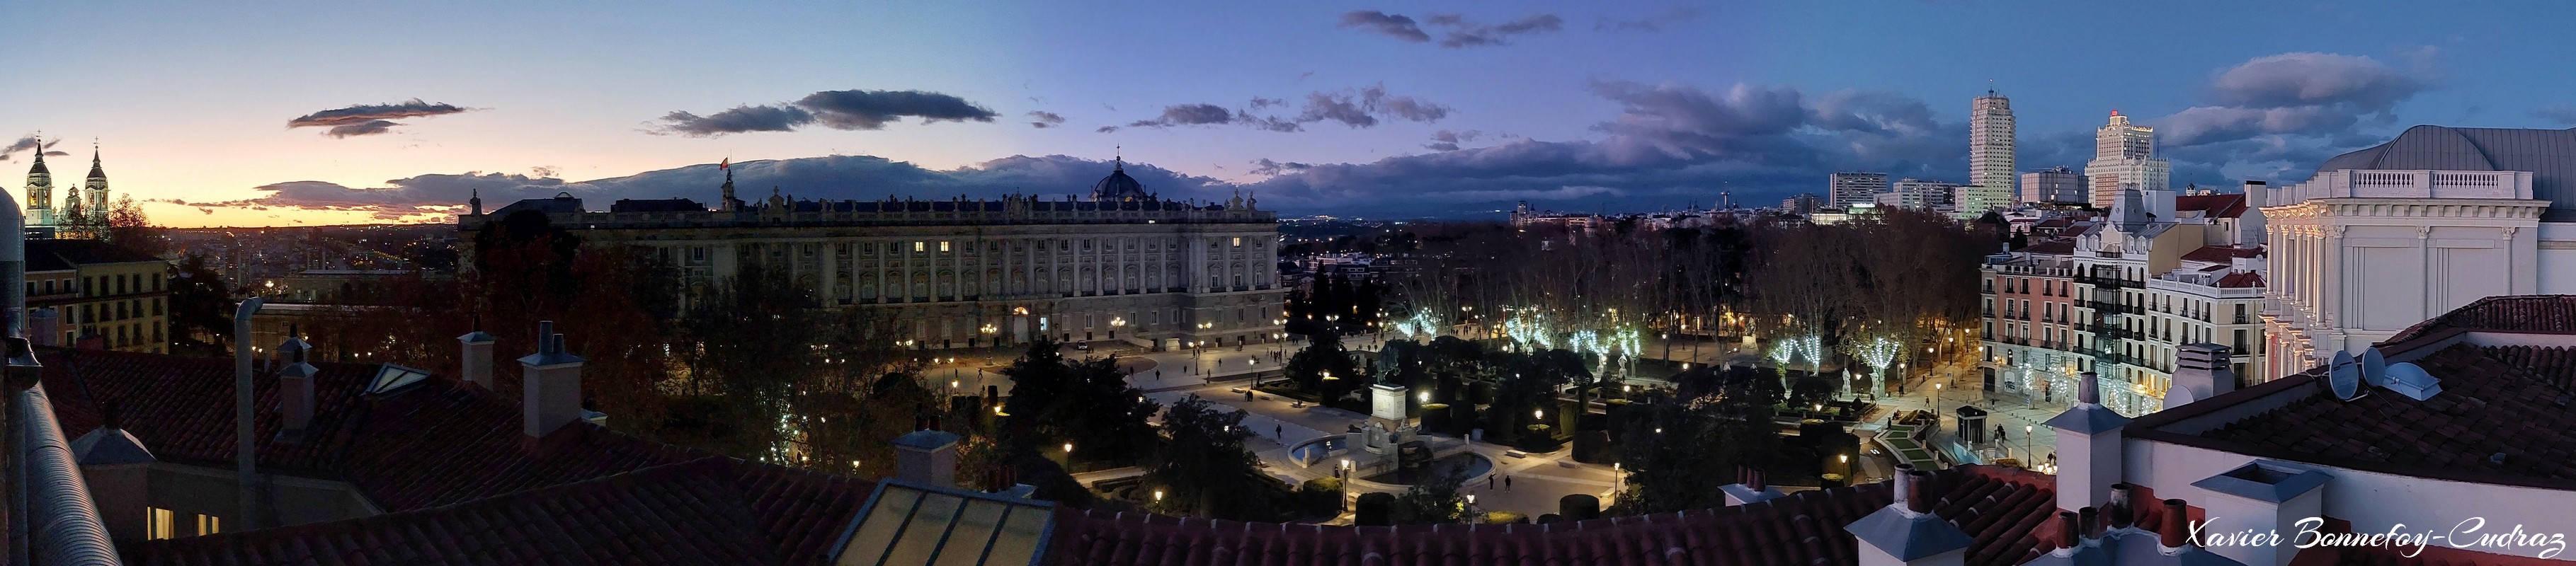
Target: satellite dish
2374	367
2344	376
2413	382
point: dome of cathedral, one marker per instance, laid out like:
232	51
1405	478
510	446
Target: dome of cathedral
1118	186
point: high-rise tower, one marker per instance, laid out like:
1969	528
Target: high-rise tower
1990	155
2124	156
40	191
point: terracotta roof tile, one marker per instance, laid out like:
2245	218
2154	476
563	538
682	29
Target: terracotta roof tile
2249	279
1995	506
459	481
2230	205
2552	314
2488	405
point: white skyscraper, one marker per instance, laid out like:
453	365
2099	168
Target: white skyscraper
2124	156
1990	155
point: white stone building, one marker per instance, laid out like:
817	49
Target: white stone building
2432	220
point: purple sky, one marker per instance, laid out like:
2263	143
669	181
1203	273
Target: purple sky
282	113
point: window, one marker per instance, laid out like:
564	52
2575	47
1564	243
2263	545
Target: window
943	246
1238	241
161	524
209	524
916	246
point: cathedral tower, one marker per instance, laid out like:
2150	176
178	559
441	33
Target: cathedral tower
95	187
40	191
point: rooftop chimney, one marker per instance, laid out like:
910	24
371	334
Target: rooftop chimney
1901	485
2066	537
2118	513
2088	447
1905	533
551	391
295	386
1750	487
2177	529
478	357
2201	371
926	457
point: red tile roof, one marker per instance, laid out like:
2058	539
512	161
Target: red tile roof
2249	279
2215	206
2547	314
2051	247
2219	253
448	462
1998	507
2487	406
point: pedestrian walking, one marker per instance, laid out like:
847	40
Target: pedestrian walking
1489	482
1507	483
1278	433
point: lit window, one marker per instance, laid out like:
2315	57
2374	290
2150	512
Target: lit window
1238	241
163	524
916	246
209	524
943	246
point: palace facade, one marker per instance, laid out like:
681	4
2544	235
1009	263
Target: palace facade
1124	265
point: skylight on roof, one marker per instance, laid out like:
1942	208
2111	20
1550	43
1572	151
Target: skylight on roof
908	525
392	377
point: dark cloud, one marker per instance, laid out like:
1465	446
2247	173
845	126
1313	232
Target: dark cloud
367	128
1655	22
1448	140
2312	79
28	143
1469	34
371	119
1458	30
832	177
1386	24
2293	94
1044	119
2562	113
1669	143
1265	166
1357	108
836	109
739	119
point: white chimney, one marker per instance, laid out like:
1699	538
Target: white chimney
1906	532
478	358
2201	371
295	387
2264	496
926	457
551	391
2088	447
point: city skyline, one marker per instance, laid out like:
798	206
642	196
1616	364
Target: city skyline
1389	109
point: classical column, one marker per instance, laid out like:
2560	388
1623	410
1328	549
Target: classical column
2424	247
831	291
2512	257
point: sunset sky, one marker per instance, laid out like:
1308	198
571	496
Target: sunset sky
1316	106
